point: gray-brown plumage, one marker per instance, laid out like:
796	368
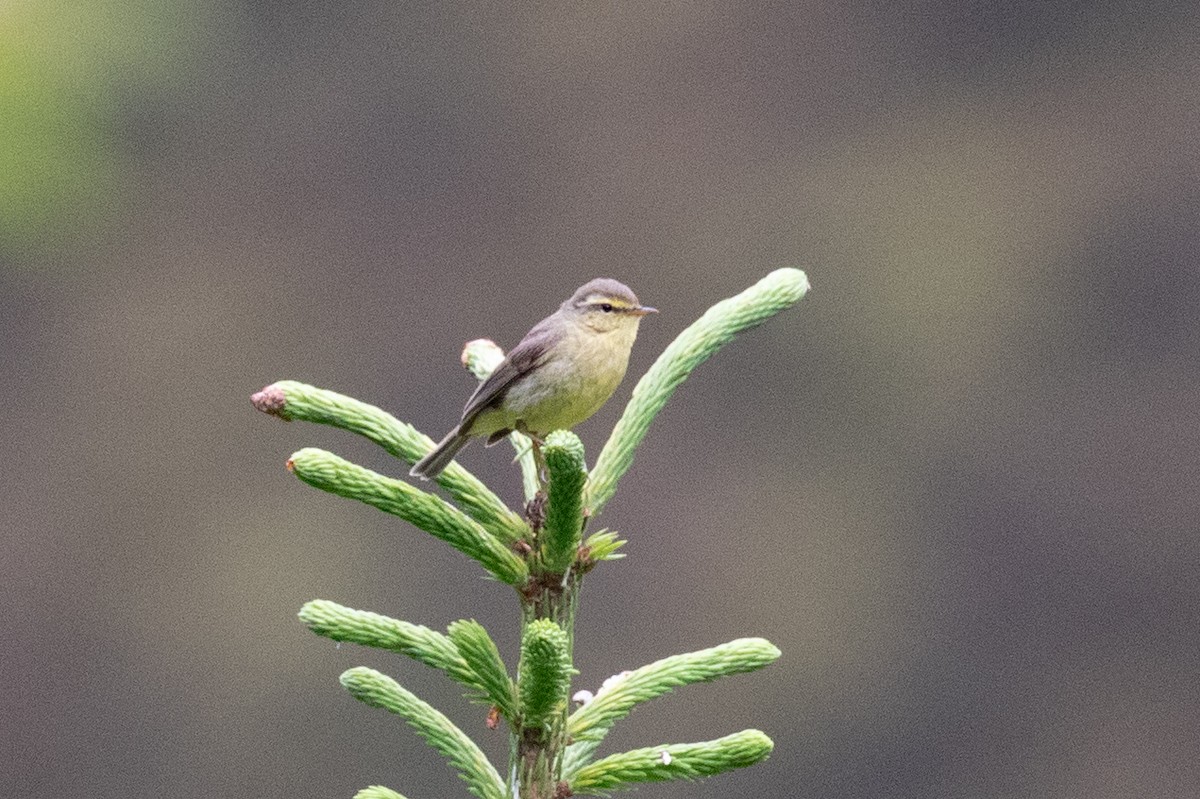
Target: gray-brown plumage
564	369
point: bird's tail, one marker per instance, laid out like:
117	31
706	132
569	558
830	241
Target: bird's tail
439	458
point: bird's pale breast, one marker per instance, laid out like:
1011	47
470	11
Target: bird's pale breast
570	387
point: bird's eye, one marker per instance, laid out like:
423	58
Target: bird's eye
606	307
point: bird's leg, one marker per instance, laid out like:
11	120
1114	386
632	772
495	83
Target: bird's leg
539	461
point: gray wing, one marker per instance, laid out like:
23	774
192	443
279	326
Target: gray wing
524	358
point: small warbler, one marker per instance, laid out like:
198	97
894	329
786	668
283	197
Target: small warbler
564	369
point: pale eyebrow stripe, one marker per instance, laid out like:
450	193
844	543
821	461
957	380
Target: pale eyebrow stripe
600	299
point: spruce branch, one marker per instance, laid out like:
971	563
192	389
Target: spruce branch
563	527
377	792
483	657
578	754
672	762
420	643
291	400
328	472
551	753
545	672
622	695
602	545
719	324
379	690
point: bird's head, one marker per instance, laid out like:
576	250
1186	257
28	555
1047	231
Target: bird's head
604	305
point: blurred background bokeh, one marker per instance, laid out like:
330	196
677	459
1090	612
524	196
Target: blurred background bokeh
957	485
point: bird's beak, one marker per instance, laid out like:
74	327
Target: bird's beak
642	310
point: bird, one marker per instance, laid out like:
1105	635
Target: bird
563	370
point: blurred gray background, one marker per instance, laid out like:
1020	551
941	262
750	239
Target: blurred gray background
957	485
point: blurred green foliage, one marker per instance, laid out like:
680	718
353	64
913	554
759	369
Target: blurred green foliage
66	74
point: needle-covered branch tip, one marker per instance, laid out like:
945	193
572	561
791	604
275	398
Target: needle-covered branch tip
270	400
